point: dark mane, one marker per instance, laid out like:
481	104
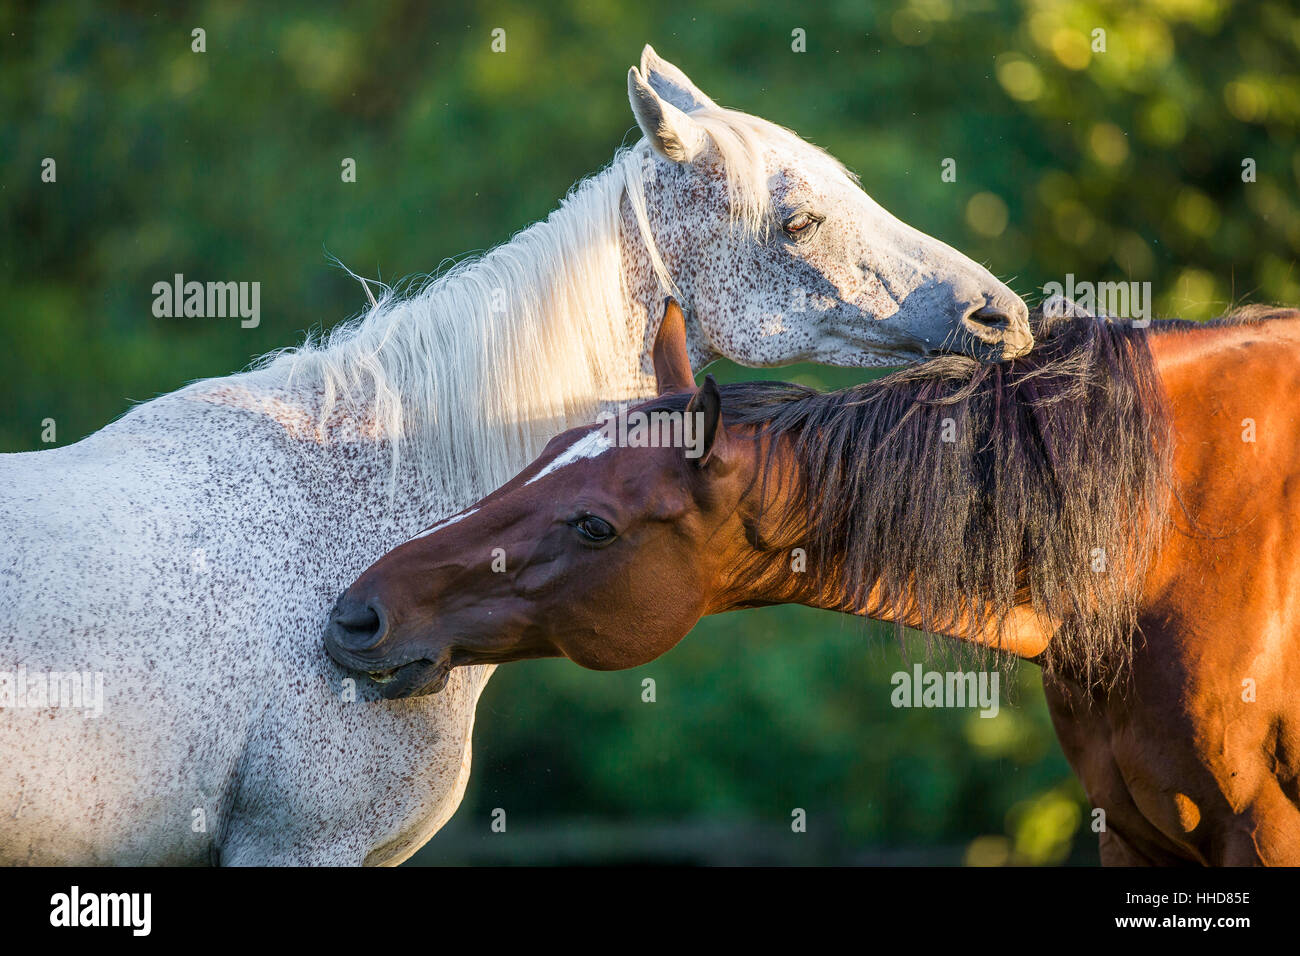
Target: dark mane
961	489
1052	490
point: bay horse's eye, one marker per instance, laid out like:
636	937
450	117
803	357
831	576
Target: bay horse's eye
801	226
593	529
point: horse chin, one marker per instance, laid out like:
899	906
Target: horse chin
416	679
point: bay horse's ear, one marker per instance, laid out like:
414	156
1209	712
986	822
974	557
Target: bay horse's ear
672	361
707	402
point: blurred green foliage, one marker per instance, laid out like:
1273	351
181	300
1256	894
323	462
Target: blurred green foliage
1122	164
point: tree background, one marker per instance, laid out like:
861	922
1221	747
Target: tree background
1122	164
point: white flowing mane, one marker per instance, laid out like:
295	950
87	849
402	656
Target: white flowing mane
458	375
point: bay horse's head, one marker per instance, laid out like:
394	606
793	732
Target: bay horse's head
757	226
600	551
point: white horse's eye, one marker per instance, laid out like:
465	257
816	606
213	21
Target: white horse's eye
801	225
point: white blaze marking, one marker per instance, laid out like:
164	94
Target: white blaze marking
588	446
442	524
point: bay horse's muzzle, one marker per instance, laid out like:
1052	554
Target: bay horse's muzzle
356	626
355	638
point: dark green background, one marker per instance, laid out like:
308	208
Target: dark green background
226	165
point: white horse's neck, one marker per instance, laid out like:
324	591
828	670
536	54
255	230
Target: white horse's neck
461	383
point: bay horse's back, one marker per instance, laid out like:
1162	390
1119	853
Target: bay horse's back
1200	759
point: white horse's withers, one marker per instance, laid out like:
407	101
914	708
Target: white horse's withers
190	552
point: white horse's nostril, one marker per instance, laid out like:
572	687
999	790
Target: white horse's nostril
995	325
991	317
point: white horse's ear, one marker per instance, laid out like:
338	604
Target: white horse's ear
671	83
672	133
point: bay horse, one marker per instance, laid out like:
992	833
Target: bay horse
1117	506
185	557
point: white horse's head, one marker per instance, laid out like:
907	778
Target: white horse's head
754	225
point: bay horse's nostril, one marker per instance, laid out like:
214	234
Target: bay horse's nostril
358	627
